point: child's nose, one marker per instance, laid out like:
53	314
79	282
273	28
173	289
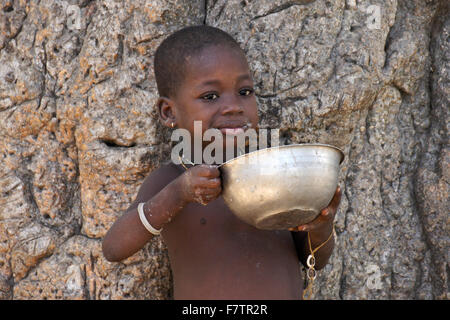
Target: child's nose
232	106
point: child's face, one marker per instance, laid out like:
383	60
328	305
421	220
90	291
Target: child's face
218	90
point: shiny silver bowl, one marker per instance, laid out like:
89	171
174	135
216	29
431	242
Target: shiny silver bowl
281	187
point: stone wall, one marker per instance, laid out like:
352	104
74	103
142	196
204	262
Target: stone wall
79	132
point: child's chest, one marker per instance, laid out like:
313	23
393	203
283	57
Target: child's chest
211	248
213	230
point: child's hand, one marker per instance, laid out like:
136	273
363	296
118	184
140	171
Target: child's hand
201	184
323	224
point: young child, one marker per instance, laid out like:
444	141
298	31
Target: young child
202	74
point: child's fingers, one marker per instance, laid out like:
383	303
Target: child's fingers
208	171
210	187
334	203
325	216
213	183
204	199
314	225
207	191
296	229
319	222
330	211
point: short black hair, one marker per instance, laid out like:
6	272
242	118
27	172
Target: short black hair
169	62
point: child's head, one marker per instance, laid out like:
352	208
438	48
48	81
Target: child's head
171	55
202	74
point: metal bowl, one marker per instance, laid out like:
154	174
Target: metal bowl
281	187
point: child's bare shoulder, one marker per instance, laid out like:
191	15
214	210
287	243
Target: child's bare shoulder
156	181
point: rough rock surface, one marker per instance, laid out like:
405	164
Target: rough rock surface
78	134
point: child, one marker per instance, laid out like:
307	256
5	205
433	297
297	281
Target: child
202	74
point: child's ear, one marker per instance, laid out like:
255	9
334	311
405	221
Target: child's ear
166	111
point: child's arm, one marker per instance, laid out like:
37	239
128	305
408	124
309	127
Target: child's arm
165	194
320	231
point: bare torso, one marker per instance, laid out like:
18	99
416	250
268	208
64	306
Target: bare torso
214	255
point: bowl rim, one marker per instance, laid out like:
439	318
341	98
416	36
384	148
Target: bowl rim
288	146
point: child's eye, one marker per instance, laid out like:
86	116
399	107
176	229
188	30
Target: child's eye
210	97
246	92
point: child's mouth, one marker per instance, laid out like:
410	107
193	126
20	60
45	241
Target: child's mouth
232	131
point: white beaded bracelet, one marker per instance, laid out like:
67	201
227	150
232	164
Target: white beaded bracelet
145	222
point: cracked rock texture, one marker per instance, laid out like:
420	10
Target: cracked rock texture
78	134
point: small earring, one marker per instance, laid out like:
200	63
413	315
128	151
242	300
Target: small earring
172	125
